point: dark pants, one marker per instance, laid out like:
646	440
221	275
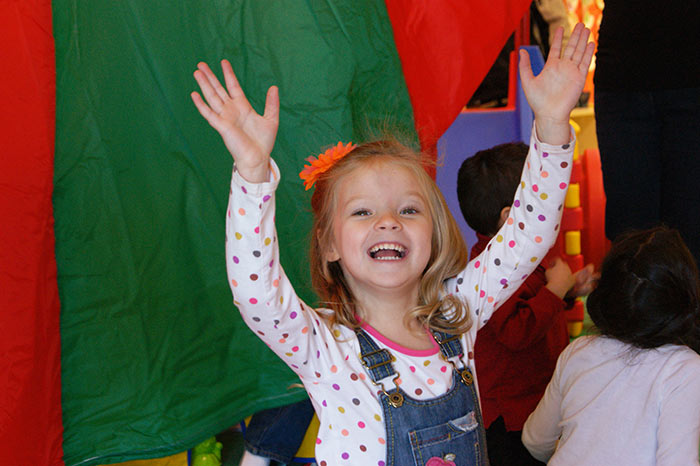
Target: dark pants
650	154
506	448
277	433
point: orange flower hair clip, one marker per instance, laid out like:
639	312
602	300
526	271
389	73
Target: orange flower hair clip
320	165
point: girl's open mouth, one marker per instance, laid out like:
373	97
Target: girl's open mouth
387	251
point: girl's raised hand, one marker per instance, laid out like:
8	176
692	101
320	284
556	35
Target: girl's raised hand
247	135
554	92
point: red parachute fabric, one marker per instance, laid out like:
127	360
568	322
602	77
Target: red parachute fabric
446	49
30	384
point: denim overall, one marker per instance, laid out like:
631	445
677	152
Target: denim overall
446	430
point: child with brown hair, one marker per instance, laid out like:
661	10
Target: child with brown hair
631	395
517	350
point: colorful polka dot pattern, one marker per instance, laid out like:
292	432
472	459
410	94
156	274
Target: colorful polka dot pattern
352	426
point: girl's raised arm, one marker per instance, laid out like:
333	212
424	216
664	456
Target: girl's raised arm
553	93
262	292
247	135
533	222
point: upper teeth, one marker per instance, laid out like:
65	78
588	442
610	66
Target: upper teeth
395	247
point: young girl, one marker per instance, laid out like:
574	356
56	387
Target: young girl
630	396
388	362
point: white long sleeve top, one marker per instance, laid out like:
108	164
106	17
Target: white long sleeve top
611	404
326	358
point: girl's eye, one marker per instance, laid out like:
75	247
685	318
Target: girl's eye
361	212
409	211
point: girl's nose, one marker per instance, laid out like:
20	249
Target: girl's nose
388	221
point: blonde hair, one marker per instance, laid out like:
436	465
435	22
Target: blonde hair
435	309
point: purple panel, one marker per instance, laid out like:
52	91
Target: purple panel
474	130
471	132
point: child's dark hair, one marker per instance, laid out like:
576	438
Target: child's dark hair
486	183
647	295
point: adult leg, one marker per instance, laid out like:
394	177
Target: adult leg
679	113
629	142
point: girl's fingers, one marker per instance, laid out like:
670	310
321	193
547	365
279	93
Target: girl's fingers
525	69
203	108
573	42
207	90
581	46
213	81
211	116
234	88
272	104
585	62
555	49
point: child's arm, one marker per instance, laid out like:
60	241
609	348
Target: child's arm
533	222
261	290
678	432
560	280
527	316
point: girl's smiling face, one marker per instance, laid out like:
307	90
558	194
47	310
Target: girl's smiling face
382	230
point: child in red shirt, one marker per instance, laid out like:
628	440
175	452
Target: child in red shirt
516	352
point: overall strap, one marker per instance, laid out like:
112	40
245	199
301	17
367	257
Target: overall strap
376	360
450	346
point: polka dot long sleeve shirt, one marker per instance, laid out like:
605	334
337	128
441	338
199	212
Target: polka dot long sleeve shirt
326	358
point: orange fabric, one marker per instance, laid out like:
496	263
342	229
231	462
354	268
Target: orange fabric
30	390
446	49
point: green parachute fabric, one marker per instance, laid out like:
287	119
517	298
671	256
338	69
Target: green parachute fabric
155	357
